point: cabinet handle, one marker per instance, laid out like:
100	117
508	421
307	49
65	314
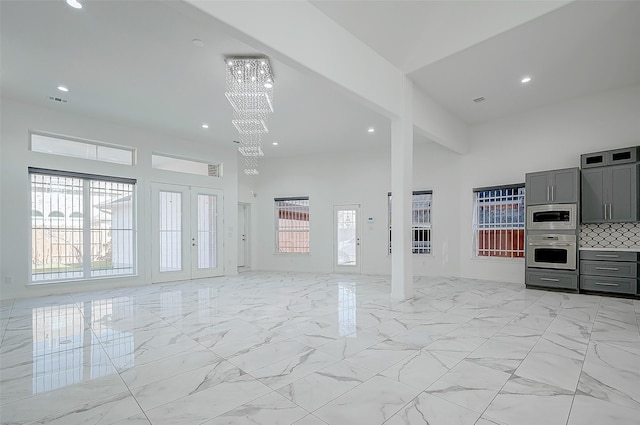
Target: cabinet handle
548	279
607	255
610	213
607	284
553	195
613	269
548	190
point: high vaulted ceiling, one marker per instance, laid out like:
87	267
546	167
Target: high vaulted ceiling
134	62
457	51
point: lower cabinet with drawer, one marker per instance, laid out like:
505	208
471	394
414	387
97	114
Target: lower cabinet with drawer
551	279
609	271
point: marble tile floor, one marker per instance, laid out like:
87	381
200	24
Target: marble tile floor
317	349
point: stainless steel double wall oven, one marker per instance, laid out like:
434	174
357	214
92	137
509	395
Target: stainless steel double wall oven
551	236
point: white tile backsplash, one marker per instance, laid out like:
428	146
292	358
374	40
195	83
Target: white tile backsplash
610	235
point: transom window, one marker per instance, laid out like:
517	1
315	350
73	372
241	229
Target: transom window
420	222
181	165
84	149
498	221
292	224
82	226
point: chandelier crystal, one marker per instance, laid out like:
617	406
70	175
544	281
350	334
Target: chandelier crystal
250	92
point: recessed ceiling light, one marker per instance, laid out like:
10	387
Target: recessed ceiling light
371	130
205	125
74	3
525	80
275	143
268	85
197	42
63	88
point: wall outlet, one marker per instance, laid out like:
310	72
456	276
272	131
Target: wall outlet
8	280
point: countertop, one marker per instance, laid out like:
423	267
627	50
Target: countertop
619	249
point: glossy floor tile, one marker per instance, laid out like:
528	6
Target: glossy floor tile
312	349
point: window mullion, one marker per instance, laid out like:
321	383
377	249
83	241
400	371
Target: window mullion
86	229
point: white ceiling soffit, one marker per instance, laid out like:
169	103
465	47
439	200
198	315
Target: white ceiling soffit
580	49
413	34
133	62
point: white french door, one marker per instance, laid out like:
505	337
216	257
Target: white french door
346	246
187	230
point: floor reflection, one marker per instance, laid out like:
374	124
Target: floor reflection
347	309
117	344
58	347
171	303
77	342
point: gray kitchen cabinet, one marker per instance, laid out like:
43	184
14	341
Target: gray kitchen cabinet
608	255
552	187
613	157
609	268
610	284
610	194
593	199
551	279
608	271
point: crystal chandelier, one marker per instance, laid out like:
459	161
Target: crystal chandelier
250	92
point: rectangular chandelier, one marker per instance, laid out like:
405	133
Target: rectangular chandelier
249	90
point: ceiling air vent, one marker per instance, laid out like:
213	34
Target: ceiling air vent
479	99
57	99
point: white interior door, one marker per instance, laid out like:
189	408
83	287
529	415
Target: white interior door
185	224
346	247
206	233
243	230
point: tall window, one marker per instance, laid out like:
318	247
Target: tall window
420	222
292	224
498	221
81	225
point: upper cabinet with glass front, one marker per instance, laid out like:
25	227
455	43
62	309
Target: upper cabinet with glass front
610	188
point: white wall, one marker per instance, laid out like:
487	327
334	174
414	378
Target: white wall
553	137
501	152
355	178
437	168
328	180
19	118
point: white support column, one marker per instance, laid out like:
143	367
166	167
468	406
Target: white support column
401	189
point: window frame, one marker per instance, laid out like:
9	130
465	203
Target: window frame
414	228
86	271
277	228
507	224
88	143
